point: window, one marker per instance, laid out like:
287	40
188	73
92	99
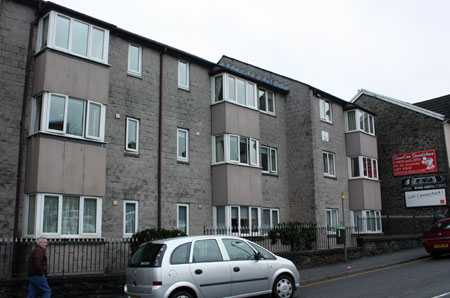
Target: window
235	90
367	221
266	101
363	167
240	219
68	116
183	75
269	160
270	218
206	251
357	120
130	218
132	135
134	60
238	250
325	110
329	164
57	215
182	144
180	255
235	149
332	220
73	36
183	218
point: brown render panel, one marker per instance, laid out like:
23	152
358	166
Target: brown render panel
73	167
232	118
94	171
76	77
361	144
32	165
51	166
364	194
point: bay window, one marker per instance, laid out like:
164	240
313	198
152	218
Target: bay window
235	149
233	89
56	215
243	219
357	120
73	36
366	221
68	116
363	167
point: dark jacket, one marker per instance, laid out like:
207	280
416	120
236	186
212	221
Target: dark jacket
37	262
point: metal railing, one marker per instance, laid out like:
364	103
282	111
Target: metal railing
66	256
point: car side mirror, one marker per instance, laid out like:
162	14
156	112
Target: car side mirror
258	256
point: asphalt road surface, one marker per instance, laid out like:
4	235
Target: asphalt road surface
424	278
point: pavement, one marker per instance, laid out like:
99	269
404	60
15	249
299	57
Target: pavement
332	271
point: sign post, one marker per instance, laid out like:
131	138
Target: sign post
343	197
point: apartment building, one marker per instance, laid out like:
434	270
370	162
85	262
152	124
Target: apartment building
109	133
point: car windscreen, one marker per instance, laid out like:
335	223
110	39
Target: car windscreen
148	255
442	225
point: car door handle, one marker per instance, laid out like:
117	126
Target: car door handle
198	271
236	269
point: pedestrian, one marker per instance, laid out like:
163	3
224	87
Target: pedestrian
37	271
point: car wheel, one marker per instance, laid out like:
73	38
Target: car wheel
283	287
181	294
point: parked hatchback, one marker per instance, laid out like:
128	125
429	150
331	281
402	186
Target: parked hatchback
437	239
208	267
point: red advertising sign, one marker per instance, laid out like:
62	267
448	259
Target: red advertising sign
413	163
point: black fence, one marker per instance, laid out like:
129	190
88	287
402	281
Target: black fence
66	256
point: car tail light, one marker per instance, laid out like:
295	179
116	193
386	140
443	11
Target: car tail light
157	283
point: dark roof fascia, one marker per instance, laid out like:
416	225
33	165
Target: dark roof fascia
32	3
47	6
250	77
353	106
315	90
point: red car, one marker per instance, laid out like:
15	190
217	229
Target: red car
437	239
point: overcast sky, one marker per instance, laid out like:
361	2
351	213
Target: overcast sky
397	48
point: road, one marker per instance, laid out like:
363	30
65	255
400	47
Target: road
424	278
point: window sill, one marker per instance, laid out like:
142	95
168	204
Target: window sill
330	177
268	113
183	162
134	75
270	174
326	121
182	88
131	154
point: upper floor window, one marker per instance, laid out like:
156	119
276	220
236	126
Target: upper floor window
183	75
329	164
359	120
134	59
269	160
132	135
363	167
266	101
56	215
325	110
233	89
235	149
182	144
73	36
68	116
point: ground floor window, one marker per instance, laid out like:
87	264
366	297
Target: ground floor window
332	220
130	218
244	219
366	221
56	215
183	218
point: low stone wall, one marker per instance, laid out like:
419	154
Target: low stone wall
111	285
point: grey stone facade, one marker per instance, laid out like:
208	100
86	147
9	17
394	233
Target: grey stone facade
402	130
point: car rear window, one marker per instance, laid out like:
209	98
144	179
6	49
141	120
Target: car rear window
148	255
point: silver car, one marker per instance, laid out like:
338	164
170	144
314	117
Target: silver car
208	267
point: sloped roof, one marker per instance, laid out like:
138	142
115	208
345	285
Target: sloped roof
439	105
399	103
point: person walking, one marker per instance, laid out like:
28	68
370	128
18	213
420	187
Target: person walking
37	271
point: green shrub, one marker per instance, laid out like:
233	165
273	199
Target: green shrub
296	234
152	234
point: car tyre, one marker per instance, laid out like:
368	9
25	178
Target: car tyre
283	287
181	294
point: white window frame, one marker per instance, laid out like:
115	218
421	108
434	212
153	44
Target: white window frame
181	158
334	217
363	225
373	175
39	217
328	173
180	74
187	217
272	221
127	148
51	35
266	99
251	229
137	72
227	153
361	126
270	151
136	217
45	115
252	104
323	111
